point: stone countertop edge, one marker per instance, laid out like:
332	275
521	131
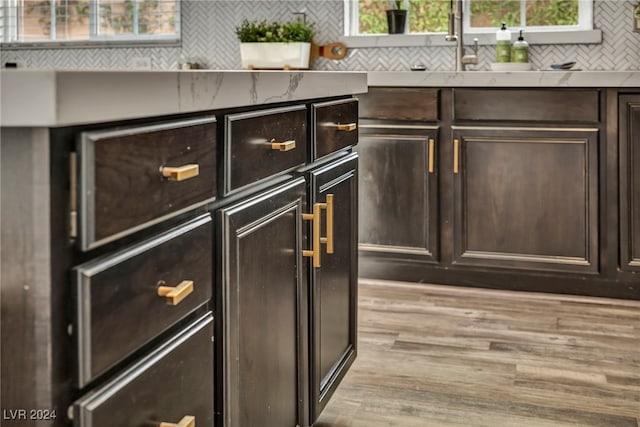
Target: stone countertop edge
54	98
521	79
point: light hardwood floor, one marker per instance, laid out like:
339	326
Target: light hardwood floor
445	356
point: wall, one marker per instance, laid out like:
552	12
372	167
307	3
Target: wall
209	37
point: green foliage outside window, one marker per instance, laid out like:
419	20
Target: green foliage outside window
432	15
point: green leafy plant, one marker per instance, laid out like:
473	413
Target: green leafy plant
264	31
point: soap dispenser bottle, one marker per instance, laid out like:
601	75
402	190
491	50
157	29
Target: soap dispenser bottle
520	50
503	44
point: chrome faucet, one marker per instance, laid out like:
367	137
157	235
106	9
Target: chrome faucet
456	34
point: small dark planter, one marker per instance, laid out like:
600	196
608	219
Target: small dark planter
396	20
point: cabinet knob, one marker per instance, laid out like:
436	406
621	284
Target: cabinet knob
180	173
347	127
283	146
186	421
175	294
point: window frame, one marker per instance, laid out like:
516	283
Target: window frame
583	33
94	40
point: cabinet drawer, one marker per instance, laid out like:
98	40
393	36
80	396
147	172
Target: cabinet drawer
263	143
397	103
335	126
174	381
119	306
126	180
553	105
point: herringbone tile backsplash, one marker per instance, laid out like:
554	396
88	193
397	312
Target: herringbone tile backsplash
208	36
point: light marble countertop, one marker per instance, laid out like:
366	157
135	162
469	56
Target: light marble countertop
50	98
601	79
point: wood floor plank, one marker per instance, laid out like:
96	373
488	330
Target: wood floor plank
447	356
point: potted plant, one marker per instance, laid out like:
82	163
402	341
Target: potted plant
396	17
273	45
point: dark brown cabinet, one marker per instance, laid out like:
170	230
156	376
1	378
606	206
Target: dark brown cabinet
525	198
141	192
629	140
532	189
195	267
399	190
334	289
288	298
399	205
264	308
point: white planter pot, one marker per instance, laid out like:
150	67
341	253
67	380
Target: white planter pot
275	55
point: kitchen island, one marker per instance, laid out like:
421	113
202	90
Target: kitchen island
162	258
511	180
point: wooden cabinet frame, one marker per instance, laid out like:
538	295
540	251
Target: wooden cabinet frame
600	262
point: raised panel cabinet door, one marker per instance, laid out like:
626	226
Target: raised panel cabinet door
629	134
398	186
334	290
264	310
526	198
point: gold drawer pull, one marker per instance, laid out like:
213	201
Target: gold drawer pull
175	294
347	127
431	154
283	146
456	155
180	173
329	239
315	250
186	421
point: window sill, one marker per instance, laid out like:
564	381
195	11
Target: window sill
437	39
170	41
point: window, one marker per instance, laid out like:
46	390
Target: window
55	21
431	16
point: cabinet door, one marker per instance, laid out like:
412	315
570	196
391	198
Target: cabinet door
334	287
630	182
398	191
526	198
264	310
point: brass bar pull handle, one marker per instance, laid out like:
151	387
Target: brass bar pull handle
329	224
315	249
347	127
180	173
283	146
456	155
186	421
432	150
175	294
